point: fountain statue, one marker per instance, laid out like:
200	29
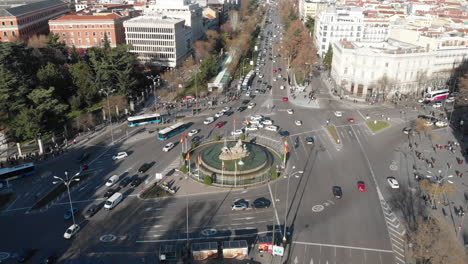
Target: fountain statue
239	151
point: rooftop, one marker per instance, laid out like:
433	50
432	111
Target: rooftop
156	19
75	17
28	8
389	47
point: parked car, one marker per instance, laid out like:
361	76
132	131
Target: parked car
437	105
298	122
261	203
271	128
251	105
337	192
168	147
71	231
393	182
441	124
290	111
110	192
69	212
227	108
119	155
92	210
284	133
241	108
251	128
267	122
237	132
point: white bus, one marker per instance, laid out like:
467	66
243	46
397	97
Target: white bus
17	172
436	95
144	119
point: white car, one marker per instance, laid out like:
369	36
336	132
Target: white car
208	120
290	111
251	128
256	117
168	147
274	79
338	114
437	105
219	114
298	122
120	155
71	231
237	132
267	122
261	76
441	124
227	108
282	87
271	128
247	94
421	100
251	105
393	183
193	132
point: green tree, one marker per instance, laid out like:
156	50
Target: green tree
327	60
82	76
207	180
8	85
52	75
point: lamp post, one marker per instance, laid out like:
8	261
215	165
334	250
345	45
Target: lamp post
107	92
287	205
67	183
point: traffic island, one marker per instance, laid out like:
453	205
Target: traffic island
333	133
5	199
155	191
377	125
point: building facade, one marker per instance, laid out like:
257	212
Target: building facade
22	22
336	24
160	41
86	31
184	9
392	68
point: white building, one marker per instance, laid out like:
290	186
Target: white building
310	8
159	41
335	24
190	12
394	67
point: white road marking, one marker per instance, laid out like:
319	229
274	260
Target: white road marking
153	217
244	218
342	246
274	205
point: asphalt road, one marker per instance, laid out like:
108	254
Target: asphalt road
358	228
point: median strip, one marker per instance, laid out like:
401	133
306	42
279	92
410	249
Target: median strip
377	125
333	133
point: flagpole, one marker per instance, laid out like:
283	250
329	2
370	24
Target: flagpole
235	173
189	166
222	174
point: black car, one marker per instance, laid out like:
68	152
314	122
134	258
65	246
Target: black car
196	139
245	102
123	183
337	192
310	140
261	203
241	108
284	133
228	113
135	182
144	168
110	192
259	81
25	255
92	210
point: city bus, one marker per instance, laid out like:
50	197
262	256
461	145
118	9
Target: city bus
13	173
144	119
436	95
171	131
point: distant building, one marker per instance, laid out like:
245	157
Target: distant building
336	24
190	12
310	8
161	41
86	31
22	22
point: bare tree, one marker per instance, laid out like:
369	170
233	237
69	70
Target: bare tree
422	126
422	80
234	20
435	242
437	189
85	121
117	104
384	85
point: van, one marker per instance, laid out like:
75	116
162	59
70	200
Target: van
112	180
113	201
208	120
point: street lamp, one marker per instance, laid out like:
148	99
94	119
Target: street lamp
287	198
67	183
107	92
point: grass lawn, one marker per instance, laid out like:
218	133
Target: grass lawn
5	199
154	192
377	126
56	192
334	133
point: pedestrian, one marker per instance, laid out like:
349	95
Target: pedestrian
410	146
434	148
448	165
415	144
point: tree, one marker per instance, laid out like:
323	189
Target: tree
82	78
327	60
207	180
384	85
52	75
85	121
422	127
310	24
117	104
435	190
435	242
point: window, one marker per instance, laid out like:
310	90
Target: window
11	23
345	70
13	33
5	34
94	33
386	65
79	34
3	23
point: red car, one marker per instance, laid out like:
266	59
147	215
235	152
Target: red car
285	99
220	124
351	120
361	186
275	71
84	167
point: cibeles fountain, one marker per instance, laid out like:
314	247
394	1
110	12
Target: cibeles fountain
233	163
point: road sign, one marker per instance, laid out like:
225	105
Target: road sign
278	251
